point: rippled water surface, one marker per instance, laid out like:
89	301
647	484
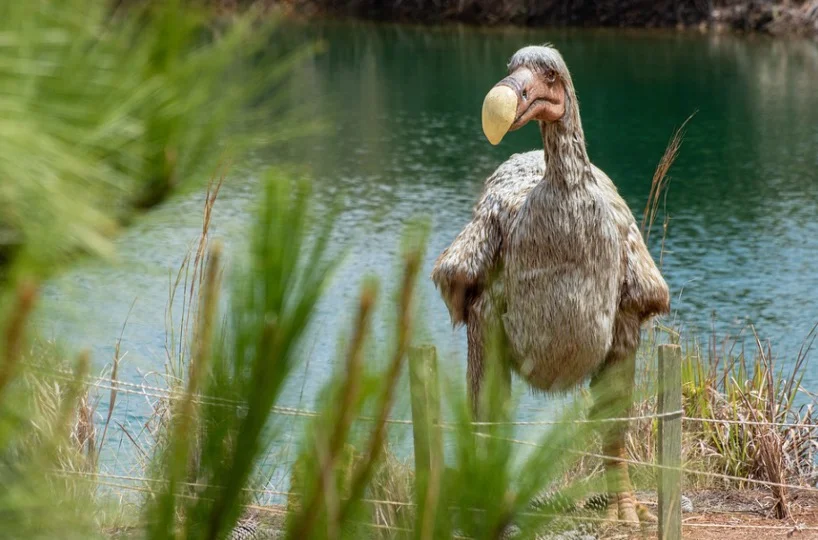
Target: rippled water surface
401	107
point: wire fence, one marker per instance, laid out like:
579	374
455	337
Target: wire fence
268	499
156	392
152	391
103	479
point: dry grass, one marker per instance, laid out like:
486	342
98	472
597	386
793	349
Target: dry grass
63	406
191	284
747	399
749	427
659	183
181	335
394	480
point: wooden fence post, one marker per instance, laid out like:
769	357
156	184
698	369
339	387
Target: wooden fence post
670	442
425	393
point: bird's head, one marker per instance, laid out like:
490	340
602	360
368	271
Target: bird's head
538	87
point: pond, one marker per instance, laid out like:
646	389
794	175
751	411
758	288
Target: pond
402	138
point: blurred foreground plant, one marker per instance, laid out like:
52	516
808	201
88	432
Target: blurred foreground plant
102	113
105	113
241	370
30	451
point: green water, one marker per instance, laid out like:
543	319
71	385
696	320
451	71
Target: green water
402	113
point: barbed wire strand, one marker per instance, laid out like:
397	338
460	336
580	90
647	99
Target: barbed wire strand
163	393
109	384
722	476
750	422
260	491
106	383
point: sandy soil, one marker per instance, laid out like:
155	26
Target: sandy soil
737	515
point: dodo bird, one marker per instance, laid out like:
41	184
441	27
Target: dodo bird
554	258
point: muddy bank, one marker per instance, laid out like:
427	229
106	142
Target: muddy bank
770	16
787	17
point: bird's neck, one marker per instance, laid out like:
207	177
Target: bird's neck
566	159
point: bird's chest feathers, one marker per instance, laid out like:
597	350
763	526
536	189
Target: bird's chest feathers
562	274
561	228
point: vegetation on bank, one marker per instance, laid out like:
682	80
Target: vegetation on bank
87	149
770	16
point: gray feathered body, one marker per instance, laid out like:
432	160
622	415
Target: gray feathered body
561	265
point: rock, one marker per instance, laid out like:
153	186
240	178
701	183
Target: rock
513	531
246	530
569	535
251	530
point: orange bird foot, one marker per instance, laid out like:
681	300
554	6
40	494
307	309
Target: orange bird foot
623	507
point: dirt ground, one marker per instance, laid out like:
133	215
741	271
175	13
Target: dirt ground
738	515
717	515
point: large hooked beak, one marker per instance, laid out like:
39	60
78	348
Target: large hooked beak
519	98
505	103
499	112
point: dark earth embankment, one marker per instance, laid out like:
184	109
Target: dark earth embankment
769	16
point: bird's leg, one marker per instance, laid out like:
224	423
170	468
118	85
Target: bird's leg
475	370
488	370
613	392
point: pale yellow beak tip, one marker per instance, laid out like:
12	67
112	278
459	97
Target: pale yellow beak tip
499	111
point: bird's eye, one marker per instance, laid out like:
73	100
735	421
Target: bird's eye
525	94
551	76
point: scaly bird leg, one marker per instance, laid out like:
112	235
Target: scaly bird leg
622	504
613	393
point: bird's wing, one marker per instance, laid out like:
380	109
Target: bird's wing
644	290
464	268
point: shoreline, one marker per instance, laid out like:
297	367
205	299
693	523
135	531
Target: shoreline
744	17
